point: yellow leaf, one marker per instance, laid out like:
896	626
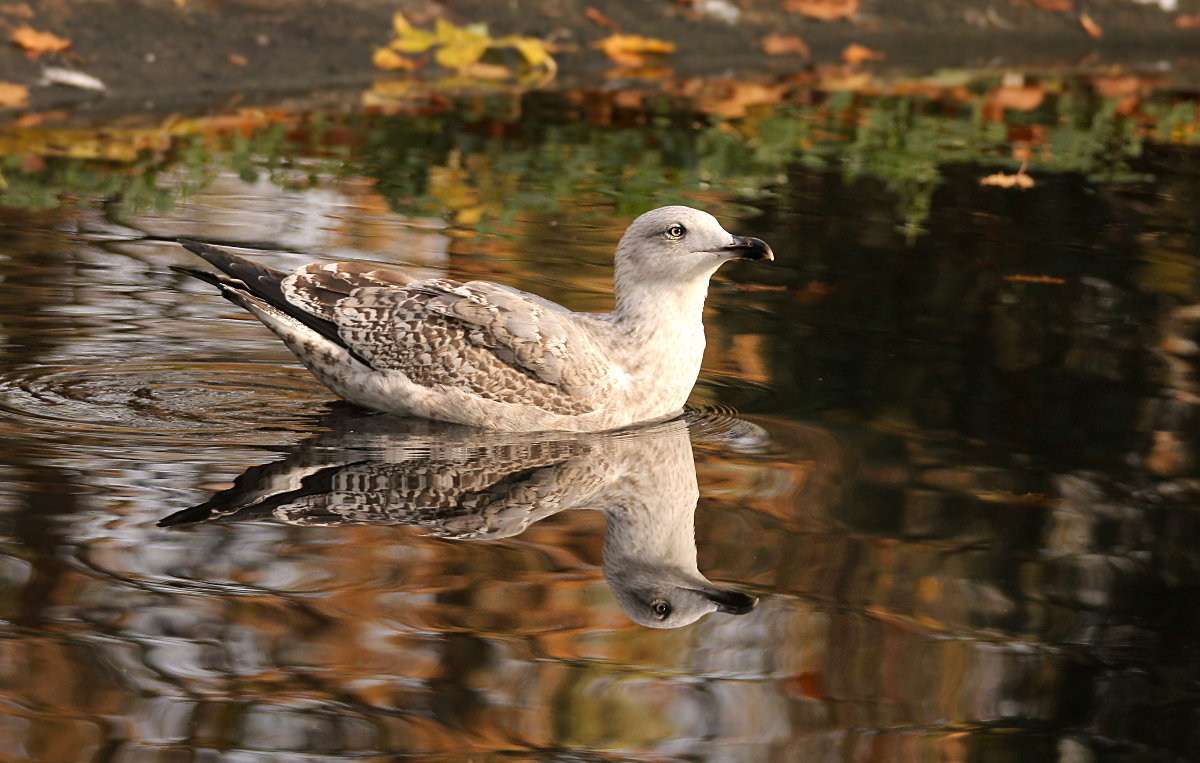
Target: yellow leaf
446	32
400	24
486	71
463	53
532	50
414	41
389	60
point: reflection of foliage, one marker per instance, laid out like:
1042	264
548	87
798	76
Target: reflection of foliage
480	157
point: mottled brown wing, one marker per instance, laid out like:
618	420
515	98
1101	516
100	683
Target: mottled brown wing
495	342
317	288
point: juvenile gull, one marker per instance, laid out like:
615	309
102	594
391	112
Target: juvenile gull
488	355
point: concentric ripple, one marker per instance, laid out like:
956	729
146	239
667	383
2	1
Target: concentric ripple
159	400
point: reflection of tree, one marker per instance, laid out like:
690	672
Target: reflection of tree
480	159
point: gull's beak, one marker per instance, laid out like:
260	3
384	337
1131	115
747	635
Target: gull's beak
749	248
729	602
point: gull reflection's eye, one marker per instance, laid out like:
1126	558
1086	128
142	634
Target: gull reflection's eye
661	609
676	232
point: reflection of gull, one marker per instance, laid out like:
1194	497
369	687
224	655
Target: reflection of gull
461	483
489	355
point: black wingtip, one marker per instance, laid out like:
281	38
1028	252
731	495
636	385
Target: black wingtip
204	275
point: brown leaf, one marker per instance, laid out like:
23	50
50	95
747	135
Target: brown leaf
20	10
1090	26
826	10
1188	21
36	43
13	96
598	18
856	54
634	50
785	45
237	59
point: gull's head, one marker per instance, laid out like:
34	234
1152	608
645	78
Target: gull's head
681	244
662	598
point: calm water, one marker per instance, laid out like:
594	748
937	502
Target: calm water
948	440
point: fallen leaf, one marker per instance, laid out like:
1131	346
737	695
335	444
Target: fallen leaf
389	60
785	45
13	96
856	54
634	50
485	71
533	50
1001	180
237	59
36	43
598	18
1188	21
1090	26
20	10
460	46
1034	279
1056	6
1011	97
826	10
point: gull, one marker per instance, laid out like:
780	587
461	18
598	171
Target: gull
460	483
487	355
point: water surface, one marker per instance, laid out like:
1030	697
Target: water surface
947	440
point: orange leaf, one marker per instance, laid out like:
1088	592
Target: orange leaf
785	45
634	50
1016	98
20	10
1001	180
36	43
389	60
1090	26
598	18
1188	21
237	59
13	96
826	10
1034	279
1056	6
856	54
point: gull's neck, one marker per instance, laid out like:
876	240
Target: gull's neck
652	307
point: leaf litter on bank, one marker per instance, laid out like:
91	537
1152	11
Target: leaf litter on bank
461	49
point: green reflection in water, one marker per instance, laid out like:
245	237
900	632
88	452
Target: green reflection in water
488	158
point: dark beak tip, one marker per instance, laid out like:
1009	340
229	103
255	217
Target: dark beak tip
734	603
750	248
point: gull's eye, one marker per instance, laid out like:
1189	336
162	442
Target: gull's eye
676	232
661	608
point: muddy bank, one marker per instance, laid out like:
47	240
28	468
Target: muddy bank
165	55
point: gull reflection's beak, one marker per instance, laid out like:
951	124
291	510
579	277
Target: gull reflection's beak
750	248
729	602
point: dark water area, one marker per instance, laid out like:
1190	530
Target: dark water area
947	440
